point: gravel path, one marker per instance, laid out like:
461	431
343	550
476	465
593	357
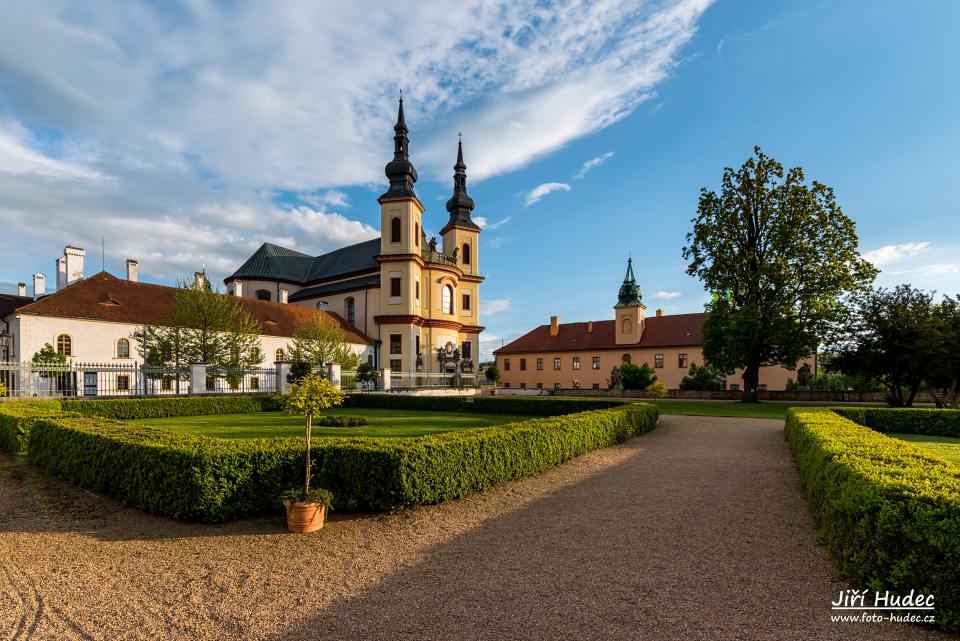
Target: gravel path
696	530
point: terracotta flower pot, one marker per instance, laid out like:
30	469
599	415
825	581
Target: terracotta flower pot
304	517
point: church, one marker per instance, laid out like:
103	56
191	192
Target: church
418	299
582	355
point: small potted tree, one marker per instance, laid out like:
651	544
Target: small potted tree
306	508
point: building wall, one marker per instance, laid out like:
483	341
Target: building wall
775	378
95	341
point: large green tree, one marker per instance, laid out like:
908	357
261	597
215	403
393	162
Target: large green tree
320	341
780	258
202	326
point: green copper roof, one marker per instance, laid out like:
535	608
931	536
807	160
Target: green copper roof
629	291
272	262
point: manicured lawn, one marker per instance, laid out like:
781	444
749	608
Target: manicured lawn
380	422
767	409
946	446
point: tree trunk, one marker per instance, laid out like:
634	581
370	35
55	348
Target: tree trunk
751	378
306	483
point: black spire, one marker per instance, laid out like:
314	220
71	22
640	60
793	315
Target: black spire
400	171
629	291
460	204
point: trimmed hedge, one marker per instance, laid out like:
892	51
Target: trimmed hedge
16	419
526	406
194	478
124	408
888	511
407	402
905	420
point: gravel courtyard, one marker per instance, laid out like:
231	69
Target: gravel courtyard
696	530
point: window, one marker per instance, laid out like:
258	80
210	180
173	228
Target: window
683	360
446	301
395	364
64	345
506	384
539	364
123	383
396	344
370	360
254	383
466	302
625	359
596	386
466	253
576	362
596	362
350	309
279	355
123	348
395	230
166	383
523	364
539	385
263	294
627	326
556	386
211	383
523	386
762	387
396	284
416	234
466	350
416	346
658	360
556	363
734	387
506	364
418	291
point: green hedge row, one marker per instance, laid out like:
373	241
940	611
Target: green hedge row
888	511
407	402
16	419
490	404
121	409
905	420
193	478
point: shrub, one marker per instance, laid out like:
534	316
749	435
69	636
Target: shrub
492	374
298	369
407	402
702	379
637	377
193	478
3	389
539	406
888	511
656	390
123	408
16	419
905	420
339	421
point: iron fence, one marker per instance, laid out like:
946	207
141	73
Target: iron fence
232	380
431	380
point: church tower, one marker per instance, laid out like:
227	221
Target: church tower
400	209
461	235
629	309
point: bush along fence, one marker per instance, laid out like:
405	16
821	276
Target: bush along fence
888	511
905	420
194	478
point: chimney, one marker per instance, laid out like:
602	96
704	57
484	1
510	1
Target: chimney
237	288
554	326
132	274
659	312
39	285
589	326
284	296
74	263
199	280
61	269
21	289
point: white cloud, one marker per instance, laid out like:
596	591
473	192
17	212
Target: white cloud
892	253
935	269
540	191
593	163
497	242
486	225
494	306
330	198
18	159
667	295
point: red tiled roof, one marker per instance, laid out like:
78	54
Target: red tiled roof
660	331
105	297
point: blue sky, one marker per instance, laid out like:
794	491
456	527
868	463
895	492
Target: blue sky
188	136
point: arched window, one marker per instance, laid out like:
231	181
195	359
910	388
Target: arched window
446	300
466	253
349	310
395	230
627	326
123	348
625	359
416	234
263	294
370	360
279	356
64	345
